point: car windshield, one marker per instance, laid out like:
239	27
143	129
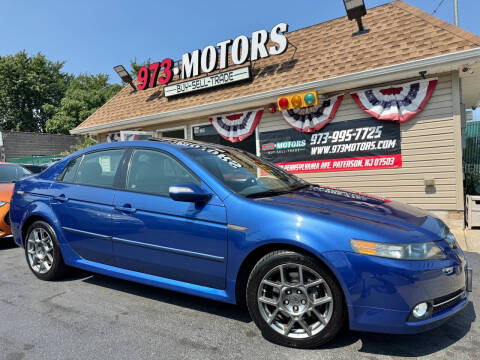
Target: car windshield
244	173
9	173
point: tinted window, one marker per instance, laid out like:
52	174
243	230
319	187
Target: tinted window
207	133
10	172
177	134
99	168
154	172
70	170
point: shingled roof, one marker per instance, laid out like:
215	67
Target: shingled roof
399	33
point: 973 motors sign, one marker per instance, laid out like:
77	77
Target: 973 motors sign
350	145
261	44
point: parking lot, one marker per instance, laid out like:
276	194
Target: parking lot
90	316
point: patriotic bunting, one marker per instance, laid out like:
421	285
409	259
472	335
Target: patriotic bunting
311	119
129	135
113	137
236	127
396	103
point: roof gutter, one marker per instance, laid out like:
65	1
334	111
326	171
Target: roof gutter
452	59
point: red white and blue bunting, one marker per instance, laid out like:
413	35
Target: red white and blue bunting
396	103
311	119
113	137
129	135
236	127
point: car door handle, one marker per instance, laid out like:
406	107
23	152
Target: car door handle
127	208
60	198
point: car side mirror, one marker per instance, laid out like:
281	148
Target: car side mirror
188	192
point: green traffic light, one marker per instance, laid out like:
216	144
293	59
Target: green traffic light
309	98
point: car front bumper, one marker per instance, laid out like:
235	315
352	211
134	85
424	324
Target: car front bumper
381	320
5	221
381	293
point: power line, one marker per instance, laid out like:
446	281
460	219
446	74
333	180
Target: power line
438	7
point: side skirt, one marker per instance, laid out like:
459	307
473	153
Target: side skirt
227	295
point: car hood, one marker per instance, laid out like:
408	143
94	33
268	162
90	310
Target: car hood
6	191
406	222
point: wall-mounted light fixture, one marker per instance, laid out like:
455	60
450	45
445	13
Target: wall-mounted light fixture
429	182
124	75
355	10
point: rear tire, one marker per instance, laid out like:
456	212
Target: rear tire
294	301
43	254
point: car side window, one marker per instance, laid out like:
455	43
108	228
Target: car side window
70	170
99	168
154	172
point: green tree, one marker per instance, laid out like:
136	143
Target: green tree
85	94
135	66
27	83
82	143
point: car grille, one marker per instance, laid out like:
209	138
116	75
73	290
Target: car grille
444	303
7	218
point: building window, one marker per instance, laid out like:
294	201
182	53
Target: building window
176	133
207	133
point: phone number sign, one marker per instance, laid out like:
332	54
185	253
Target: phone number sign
350	145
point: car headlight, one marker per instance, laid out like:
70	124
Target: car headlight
451	241
2	203
419	251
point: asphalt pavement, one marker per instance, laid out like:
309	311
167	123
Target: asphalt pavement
88	316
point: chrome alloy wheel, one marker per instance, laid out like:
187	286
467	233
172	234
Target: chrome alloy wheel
295	300
40	250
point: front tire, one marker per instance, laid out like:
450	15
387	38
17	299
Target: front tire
43	254
294	301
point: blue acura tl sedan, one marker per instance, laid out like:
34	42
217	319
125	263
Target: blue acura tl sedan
220	223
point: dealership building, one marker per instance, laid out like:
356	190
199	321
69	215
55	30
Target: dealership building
378	111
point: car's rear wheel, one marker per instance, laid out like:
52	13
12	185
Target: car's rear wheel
294	300
43	253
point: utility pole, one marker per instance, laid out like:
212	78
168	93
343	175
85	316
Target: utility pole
455	5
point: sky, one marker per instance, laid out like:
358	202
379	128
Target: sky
92	36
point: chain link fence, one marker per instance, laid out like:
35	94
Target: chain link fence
471	158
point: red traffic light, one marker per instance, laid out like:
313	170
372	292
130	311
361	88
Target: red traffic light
283	103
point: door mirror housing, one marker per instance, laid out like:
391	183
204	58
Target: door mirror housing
188	192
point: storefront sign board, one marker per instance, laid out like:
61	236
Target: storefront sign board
350	145
211	81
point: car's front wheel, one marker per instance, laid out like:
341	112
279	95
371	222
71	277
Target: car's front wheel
42	252
294	300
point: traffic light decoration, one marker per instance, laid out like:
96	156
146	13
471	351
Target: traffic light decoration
313	118
296	101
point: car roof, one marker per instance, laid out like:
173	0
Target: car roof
158	142
187	144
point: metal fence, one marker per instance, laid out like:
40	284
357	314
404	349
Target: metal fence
34	159
471	158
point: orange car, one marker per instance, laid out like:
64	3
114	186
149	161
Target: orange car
9	173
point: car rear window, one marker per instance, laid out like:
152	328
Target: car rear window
70	170
98	168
